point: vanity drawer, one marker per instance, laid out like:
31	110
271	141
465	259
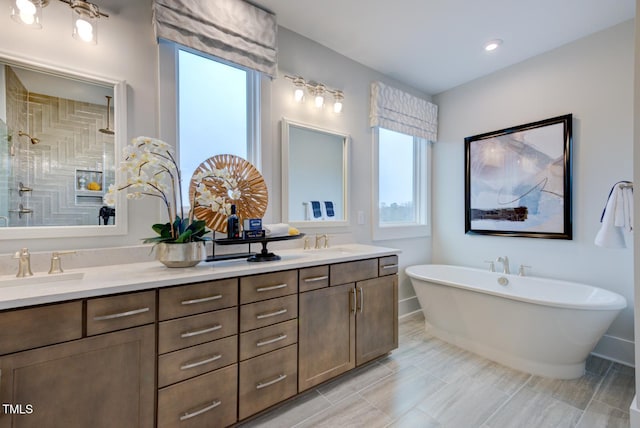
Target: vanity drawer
387	265
117	312
197	298
208	400
196	360
267	339
261	314
268	286
343	273
196	329
313	278
267	380
45	325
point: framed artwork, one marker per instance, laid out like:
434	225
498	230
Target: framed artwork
518	180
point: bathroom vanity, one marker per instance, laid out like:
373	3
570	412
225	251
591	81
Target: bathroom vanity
143	345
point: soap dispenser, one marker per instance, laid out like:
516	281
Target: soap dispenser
233	224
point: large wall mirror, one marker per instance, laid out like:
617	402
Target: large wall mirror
314	176
60	135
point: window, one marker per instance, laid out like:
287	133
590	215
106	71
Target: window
214	107
401	185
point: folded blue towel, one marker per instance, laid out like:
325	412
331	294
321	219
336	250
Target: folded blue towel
317	211
328	205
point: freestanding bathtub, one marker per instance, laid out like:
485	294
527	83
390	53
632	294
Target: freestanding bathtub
536	325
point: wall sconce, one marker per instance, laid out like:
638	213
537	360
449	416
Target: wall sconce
28	12
84	20
317	91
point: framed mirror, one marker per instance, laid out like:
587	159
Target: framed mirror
314	176
61	133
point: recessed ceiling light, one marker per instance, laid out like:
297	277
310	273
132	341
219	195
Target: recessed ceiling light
492	45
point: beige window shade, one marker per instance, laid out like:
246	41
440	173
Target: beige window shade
233	30
399	111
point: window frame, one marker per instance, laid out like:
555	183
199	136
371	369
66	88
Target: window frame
421	226
168	113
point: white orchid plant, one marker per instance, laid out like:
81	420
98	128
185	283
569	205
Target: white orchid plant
151	170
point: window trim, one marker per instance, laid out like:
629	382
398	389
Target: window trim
422	194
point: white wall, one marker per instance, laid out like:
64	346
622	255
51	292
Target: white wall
591	78
126	50
300	56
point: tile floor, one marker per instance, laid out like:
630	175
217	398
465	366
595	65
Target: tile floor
428	383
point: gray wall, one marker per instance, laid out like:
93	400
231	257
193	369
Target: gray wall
591	78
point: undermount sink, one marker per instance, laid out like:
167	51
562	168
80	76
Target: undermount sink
39	278
333	250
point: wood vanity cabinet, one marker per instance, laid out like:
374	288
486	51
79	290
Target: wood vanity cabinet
206	354
103	380
198	354
344	325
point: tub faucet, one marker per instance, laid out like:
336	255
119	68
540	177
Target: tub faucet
505	264
24	263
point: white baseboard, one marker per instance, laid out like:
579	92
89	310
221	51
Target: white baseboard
634	413
408	306
616	349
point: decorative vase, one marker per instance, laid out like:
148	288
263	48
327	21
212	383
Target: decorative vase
176	255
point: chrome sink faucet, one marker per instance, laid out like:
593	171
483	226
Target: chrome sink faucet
505	264
24	263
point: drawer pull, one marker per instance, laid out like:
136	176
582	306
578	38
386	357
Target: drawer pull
390	266
271	382
273	340
316	278
200	363
272	287
355	304
121	314
202	300
189	415
199	332
361	299
272	314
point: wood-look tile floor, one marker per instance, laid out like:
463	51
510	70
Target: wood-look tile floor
428	383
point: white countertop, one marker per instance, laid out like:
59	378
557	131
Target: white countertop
104	280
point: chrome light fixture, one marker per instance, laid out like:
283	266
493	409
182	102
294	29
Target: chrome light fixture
317	90
28	12
84	20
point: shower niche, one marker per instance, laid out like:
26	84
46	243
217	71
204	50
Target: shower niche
89	187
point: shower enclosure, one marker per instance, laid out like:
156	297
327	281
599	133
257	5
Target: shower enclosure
55	157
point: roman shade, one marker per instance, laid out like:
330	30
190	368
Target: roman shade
233	30
399	111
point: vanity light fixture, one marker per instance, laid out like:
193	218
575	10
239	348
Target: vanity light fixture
317	90
492	45
28	12
84	20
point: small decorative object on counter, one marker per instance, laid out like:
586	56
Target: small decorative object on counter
233	224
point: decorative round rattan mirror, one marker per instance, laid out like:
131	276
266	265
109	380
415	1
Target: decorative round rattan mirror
242	185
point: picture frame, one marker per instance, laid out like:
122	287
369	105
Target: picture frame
518	180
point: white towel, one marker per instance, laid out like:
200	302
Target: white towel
277	229
617	216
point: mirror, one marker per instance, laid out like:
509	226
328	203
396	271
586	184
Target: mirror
60	133
314	176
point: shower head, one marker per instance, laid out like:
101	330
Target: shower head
32	139
107	130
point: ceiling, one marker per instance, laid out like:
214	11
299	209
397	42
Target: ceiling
435	45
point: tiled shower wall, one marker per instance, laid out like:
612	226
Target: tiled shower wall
69	140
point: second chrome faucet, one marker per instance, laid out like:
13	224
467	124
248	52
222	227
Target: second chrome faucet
505	264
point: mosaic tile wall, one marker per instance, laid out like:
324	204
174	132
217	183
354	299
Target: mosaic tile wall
69	141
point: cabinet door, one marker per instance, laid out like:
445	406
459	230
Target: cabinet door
102	381
326	334
377	317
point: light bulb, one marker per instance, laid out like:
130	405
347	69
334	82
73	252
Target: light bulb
319	101
298	94
27	12
84	30
492	45
337	106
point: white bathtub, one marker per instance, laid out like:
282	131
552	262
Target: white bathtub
536	325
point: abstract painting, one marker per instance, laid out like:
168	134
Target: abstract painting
518	180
